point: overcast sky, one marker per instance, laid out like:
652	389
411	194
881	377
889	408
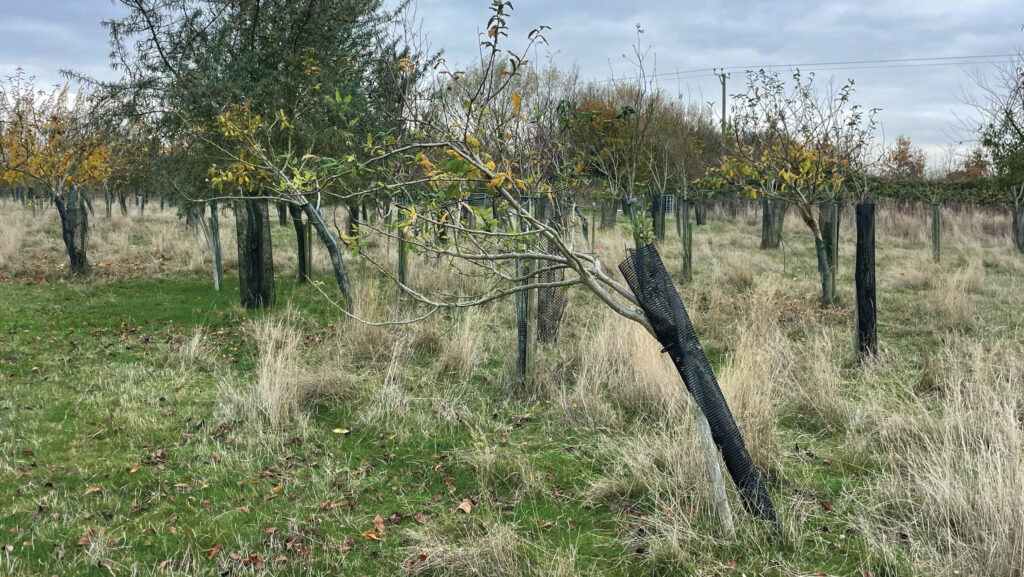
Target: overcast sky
44	36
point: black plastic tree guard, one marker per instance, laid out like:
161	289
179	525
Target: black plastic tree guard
653	288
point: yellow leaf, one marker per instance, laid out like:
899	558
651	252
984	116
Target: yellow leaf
91	490
341	431
516	101
373	535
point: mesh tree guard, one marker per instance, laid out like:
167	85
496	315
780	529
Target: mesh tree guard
74	226
700	212
653	288
936	233
609	210
864	281
773	216
686	233
523	345
658	215
551	301
255	254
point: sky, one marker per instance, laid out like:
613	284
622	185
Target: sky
922	102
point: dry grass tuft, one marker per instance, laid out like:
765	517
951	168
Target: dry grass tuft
957	486
491	548
951	300
462	351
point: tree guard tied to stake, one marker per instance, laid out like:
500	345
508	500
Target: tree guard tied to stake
657	296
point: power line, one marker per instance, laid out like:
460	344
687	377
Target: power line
842	65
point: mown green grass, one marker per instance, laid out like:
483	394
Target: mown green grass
115	459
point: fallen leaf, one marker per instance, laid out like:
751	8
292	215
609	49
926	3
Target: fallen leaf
421	517
91	490
213	550
378	524
341	431
465	506
373	535
826	506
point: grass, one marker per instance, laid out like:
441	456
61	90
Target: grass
150	426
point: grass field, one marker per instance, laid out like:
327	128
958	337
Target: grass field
151	426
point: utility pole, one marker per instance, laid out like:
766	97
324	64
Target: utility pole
722	76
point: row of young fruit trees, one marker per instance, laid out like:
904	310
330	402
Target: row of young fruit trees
326	106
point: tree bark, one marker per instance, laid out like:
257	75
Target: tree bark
828	216
340	273
300	240
824	270
211	231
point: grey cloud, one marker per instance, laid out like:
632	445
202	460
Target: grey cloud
46	35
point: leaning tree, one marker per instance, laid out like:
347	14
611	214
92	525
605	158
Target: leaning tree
468	133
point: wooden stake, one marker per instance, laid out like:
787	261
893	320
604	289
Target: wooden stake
707	443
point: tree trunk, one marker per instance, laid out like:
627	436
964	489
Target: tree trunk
700	212
340	273
218	266
122	202
824	271
282	213
936	233
353	219
866	335
403	257
828	217
74	226
687	237
211	231
300	240
1018	226
255	254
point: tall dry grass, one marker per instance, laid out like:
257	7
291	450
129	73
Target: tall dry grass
955	484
